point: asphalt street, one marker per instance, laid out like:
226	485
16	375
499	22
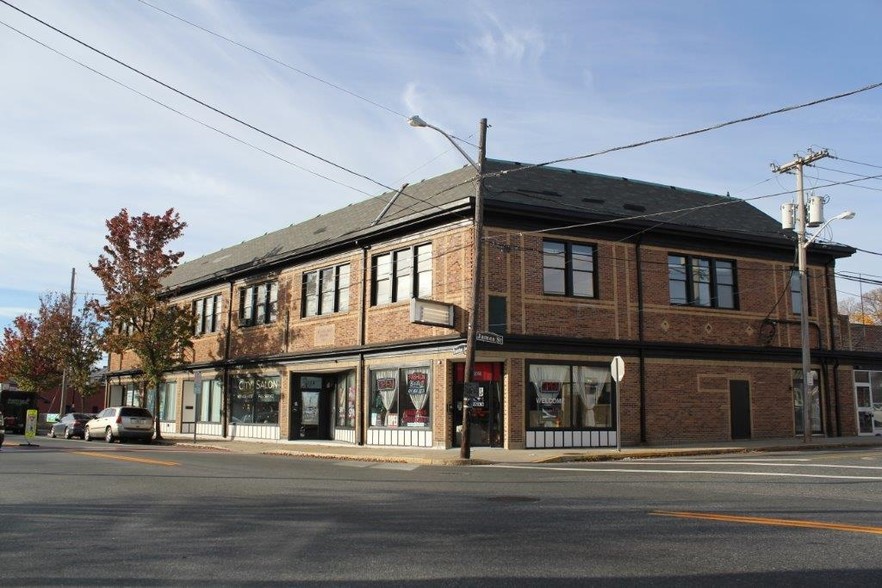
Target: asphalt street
77	513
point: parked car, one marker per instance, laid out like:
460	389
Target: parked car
70	425
120	422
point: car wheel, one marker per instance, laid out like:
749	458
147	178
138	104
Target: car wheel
52	433
108	435
67	433
86	435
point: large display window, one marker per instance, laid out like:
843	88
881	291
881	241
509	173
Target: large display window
400	397
561	396
255	399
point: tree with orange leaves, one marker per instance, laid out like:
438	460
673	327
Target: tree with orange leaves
140	320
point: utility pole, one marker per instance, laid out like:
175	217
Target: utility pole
801	245
465	449
63	394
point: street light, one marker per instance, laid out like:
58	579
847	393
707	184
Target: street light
802	245
471	330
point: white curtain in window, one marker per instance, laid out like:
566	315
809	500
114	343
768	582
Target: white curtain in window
417	387
387	394
589	382
548	373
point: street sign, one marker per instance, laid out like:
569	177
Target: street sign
617	368
485	337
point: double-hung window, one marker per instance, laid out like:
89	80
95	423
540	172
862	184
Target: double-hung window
702	281
207	311
569	269
403	274
258	304
326	291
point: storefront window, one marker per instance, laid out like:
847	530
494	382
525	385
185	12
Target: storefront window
346	400
255	399
400	398
209	402
569	397
167	398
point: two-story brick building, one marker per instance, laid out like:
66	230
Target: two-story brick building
351	325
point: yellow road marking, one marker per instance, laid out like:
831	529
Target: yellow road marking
126	458
768	521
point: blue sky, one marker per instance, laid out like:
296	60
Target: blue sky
555	79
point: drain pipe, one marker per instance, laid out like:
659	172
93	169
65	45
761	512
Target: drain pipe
641	324
362	418
833	318
225	417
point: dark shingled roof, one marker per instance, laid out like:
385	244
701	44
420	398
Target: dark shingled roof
580	195
593	195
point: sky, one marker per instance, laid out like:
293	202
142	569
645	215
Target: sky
82	136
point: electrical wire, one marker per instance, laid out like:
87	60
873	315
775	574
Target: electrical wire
273	59
699	131
201	102
176	111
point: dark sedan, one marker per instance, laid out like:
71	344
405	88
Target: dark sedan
70	425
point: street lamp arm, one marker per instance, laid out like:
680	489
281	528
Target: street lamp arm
847	215
416	121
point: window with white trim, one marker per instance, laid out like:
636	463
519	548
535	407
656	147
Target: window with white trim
402	274
326	291
258	304
207	312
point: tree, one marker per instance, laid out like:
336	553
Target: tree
37	349
25	357
139	319
71	339
865	310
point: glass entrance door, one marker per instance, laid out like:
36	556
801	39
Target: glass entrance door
868	397
485	416
312	401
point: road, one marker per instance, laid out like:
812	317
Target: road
79	513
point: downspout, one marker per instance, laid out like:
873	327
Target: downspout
226	381
832	317
641	327
362	418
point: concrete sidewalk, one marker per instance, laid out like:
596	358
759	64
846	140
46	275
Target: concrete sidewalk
486	455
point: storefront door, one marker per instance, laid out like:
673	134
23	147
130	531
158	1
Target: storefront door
312	401
868	396
485	416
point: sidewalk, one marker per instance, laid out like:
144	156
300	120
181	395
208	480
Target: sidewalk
337	450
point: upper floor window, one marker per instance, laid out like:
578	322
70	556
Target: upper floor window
258	304
702	281
403	274
569	269
207	311
796	292
326	291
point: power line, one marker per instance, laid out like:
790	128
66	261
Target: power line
176	111
273	59
400	207
856	162
698	131
200	102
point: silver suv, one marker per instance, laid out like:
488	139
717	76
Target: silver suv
120	422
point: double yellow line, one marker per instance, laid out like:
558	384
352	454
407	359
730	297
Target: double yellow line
126	458
708	516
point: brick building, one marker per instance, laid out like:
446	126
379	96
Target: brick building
351	326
